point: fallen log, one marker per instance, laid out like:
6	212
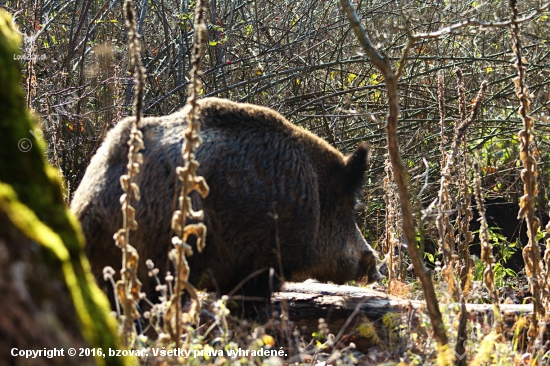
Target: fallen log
347	306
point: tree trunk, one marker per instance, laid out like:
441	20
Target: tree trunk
48	297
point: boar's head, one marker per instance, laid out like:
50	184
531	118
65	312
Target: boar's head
343	253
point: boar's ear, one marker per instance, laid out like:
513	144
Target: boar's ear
356	165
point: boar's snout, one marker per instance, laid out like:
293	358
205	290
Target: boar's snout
368	267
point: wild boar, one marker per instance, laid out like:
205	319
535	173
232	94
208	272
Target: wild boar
275	190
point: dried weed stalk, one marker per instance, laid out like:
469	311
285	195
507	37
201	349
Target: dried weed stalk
128	287
190	182
446	232
461	96
441	104
464	236
486	248
531	253
462	336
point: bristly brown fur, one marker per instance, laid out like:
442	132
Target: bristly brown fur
257	164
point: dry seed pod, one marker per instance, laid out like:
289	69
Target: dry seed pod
531	253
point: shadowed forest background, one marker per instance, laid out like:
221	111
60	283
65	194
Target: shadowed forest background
302	59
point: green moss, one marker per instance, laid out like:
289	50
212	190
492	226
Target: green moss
33	198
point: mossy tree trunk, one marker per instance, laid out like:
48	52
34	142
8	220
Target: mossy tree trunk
48	296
